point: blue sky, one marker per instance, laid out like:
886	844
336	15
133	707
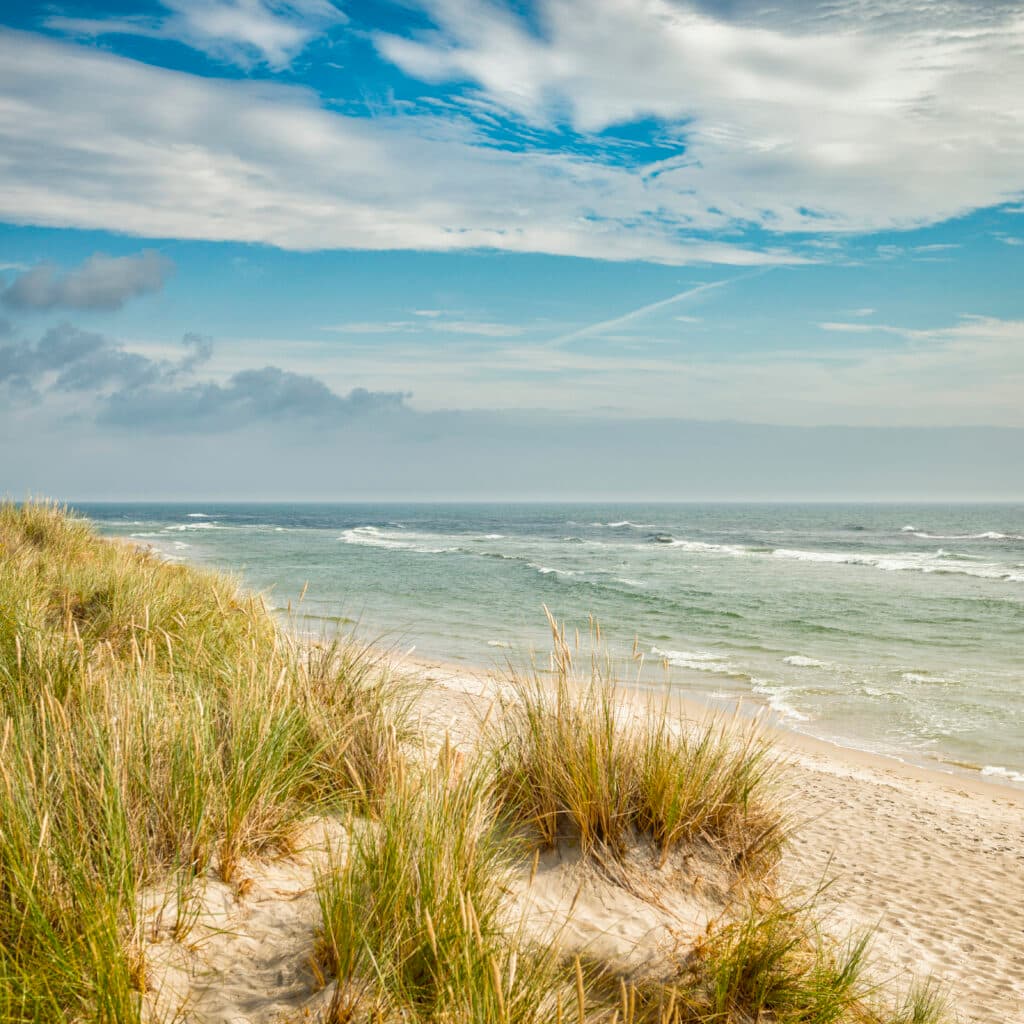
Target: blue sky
262	225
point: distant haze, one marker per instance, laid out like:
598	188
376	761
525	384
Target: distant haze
476	456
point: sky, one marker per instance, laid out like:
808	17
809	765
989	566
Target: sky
512	249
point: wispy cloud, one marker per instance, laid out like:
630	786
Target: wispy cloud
816	118
604	326
967	372
848	328
244	32
259	162
433	321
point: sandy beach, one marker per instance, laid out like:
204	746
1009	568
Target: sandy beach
934	864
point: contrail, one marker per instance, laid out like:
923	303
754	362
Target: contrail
634	314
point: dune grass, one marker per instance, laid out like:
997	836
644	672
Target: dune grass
154	721
414	926
156	725
573	758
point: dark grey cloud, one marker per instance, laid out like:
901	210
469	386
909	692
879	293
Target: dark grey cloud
202	350
101	282
77	360
252	396
135	391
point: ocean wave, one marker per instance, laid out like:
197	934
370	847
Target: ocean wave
776	697
906	562
986	535
921	677
547	570
801	661
374	537
183	527
198	515
624	524
722	549
1003	773
699	661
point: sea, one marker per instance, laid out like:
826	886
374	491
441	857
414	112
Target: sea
897	629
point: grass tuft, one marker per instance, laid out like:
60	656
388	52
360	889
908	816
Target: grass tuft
413	920
573	758
154	722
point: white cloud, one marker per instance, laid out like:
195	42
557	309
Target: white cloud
604	326
967	373
434	321
863	116
847	328
243	32
90	140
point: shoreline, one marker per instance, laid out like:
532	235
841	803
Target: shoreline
929	863
795	741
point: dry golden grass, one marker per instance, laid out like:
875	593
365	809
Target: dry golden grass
154	720
156	723
573	758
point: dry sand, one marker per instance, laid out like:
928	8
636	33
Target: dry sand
935	863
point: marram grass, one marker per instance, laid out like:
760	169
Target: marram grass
573	758
154	721
156	724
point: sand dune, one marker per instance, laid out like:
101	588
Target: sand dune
935	863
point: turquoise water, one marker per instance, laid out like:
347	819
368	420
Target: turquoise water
892	628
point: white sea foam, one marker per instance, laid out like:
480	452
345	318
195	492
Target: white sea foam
183	527
374	537
776	696
986	535
699	545
494	536
801	661
939	562
699	661
921	677
624	524
197	515
547	570
1002	773
498	643
908	529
